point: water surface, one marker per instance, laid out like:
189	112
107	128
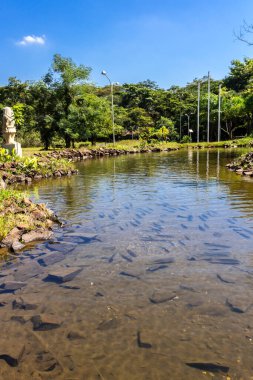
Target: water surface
164	244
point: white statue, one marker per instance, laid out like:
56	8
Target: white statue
9	131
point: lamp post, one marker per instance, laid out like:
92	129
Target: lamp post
188	123
112	105
198	112
208	107
219	111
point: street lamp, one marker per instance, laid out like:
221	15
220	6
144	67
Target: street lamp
208	78
198	112
188	123
103	72
219	112
208	107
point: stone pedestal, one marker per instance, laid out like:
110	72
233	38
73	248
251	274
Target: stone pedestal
16	146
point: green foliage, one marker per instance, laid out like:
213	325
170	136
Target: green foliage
185	139
63	107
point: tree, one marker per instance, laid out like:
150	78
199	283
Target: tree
240	76
233	110
70	75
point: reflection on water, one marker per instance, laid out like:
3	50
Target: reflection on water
157	249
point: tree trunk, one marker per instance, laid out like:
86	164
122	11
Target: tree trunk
67	141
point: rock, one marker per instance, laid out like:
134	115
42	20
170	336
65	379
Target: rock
140	343
162	296
157	267
248	173
210	367
164	260
20	304
45	362
29	270
45	322
108	325
238	305
74	335
132	274
19	318
12	353
39	234
11	286
63	247
63	275
12	237
225	278
17	246
51	258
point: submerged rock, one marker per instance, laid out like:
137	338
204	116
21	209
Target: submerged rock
11	286
12	353
51	258
43	322
210	367
21	304
63	275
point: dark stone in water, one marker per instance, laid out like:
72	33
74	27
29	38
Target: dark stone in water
218	245
46	362
98	294
225	279
45	322
157	267
11	286
23	273
20	304
237	305
51	259
108	325
110	260
13	355
63	275
74	335
131	253
63	247
164	260
223	261
18	318
140	343
126	258
161	297
129	274
211	367
185	287
184	226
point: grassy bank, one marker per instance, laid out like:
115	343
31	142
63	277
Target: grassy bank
131	145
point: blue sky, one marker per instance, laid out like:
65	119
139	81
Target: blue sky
168	41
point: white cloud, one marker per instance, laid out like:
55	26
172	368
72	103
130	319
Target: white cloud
32	40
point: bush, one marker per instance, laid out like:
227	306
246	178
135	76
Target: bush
185	139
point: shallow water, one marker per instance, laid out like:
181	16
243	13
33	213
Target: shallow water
164	245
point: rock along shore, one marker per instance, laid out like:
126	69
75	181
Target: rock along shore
243	165
25	222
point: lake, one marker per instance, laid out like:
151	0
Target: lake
158	250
